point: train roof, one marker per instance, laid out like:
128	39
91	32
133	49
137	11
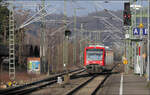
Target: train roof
106	47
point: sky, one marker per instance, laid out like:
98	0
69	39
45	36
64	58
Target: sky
84	6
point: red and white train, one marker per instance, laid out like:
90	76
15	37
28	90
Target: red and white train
98	58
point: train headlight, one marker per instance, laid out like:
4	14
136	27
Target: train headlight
101	62
87	62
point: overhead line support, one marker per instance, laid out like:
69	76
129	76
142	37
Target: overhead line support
11	43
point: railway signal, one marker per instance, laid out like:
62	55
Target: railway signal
67	33
127	14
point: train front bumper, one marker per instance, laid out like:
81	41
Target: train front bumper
94	68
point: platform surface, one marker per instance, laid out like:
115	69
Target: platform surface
127	85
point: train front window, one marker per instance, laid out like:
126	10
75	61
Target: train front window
94	54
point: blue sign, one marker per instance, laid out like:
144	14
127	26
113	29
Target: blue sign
136	31
35	65
144	31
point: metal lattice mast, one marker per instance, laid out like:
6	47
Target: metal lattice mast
65	53
41	48
65	41
43	39
11	43
134	56
130	36
75	43
128	43
81	50
148	57
130	49
140	43
20	43
134	25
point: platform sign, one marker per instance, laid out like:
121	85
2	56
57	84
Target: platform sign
136	31
33	65
144	31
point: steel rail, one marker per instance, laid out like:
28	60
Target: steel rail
29	90
26	90
9	90
81	85
103	81
89	80
35	88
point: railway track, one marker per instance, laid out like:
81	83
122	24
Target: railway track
28	88
92	85
75	74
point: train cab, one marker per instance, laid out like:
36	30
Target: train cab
94	59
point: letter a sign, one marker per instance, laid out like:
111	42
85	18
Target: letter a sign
136	31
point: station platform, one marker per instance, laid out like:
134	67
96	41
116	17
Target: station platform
123	84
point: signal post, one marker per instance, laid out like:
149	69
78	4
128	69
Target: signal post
127	26
134	39
65	55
